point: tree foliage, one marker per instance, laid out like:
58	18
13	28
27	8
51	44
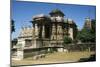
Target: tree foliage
87	35
67	40
12	26
93	27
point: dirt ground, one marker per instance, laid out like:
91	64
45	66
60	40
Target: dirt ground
57	57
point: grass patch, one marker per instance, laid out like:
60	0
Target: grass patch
56	57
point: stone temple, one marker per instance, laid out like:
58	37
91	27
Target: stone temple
47	31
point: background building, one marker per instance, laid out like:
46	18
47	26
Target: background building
87	24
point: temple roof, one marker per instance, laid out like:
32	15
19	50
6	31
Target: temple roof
56	11
39	16
87	19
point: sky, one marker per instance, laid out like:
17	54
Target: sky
22	13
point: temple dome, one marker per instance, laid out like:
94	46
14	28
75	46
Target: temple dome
56	11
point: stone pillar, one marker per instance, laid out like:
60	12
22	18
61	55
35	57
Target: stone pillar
43	31
53	36
36	31
35	44
36	38
20	54
59	32
35	35
20	49
71	33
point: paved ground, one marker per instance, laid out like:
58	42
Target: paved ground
57	57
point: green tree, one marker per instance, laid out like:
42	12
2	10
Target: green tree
93	26
93	30
12	26
67	40
87	35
